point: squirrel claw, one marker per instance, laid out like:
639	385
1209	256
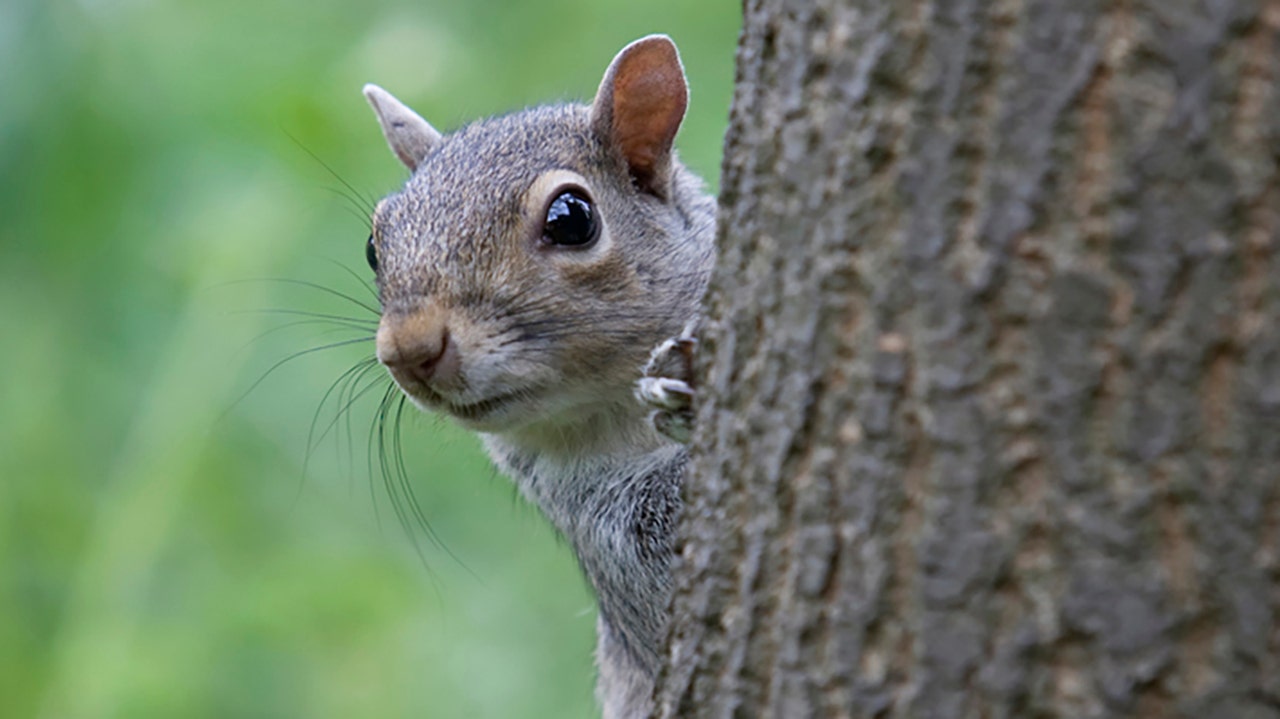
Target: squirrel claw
667	386
665	393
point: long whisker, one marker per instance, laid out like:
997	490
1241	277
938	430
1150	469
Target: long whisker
390	479
354	376
315	286
402	475
371	443
338	385
356	322
366	201
353	393
348	379
296	323
286	360
363	281
353	206
315	418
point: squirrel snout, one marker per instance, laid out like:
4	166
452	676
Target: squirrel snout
418	346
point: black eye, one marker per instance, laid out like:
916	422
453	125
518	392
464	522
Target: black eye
571	220
371	254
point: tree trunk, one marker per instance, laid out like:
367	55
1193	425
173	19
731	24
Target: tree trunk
990	424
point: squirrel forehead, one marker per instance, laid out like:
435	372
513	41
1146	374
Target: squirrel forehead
487	164
473	183
471	191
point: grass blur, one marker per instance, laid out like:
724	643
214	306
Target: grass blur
162	553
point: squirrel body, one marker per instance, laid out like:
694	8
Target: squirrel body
527	271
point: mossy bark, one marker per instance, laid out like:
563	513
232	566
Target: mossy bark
990	418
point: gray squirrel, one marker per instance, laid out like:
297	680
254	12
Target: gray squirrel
540	275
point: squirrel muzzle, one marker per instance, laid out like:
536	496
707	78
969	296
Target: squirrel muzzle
416	347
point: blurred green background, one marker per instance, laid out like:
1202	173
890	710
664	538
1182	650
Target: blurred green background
161	552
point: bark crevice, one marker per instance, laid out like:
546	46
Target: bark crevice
991	417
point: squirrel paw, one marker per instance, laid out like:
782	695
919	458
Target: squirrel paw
667	386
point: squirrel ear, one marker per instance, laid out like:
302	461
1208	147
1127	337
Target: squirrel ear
409	136
639	106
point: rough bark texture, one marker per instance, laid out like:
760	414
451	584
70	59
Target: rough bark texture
991	418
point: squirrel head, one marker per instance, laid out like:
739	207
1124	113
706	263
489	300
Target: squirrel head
531	261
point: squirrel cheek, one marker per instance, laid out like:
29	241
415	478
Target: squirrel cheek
609	278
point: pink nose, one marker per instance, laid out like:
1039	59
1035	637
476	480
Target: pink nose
418	359
418	345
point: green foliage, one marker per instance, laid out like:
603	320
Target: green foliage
162	552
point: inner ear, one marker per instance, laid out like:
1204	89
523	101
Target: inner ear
639	107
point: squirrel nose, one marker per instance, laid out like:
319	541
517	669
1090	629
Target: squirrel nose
418	345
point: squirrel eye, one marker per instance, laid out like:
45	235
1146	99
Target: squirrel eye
371	254
571	220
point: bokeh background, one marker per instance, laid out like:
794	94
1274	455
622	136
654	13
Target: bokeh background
171	546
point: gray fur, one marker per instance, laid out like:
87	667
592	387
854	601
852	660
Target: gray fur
557	339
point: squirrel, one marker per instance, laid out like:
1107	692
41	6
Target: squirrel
540	276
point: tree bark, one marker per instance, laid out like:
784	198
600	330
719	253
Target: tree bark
990	418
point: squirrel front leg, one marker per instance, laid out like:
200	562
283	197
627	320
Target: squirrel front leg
668	387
